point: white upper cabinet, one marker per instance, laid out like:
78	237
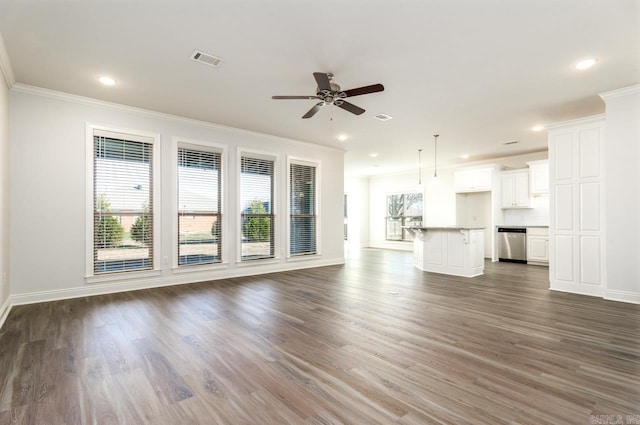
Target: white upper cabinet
539	177
473	180
515	189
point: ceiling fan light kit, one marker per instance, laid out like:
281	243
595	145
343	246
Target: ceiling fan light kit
330	93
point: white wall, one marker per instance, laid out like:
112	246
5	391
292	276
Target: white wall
622	193
48	196
357	190
439	208
474	210
5	274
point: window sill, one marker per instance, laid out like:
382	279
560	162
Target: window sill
258	262
199	268
306	257
120	276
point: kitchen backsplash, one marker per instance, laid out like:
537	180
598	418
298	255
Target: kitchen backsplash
536	216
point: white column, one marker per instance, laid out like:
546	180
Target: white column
622	200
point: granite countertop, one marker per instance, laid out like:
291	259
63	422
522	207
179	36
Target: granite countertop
442	228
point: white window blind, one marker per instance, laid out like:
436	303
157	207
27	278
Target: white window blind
256	200
302	214
123	204
199	207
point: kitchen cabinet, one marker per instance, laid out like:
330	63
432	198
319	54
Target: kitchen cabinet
515	189
457	251
537	245
473	180
577	204
539	177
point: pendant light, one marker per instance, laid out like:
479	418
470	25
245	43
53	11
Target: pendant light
435	179
419	169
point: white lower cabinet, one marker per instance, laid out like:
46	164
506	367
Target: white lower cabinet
537	245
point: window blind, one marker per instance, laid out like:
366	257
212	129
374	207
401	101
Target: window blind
123	205
256	201
199	207
302	201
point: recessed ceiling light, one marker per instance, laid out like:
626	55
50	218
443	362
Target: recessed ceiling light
107	81
343	137
373	154
465	156
586	64
537	128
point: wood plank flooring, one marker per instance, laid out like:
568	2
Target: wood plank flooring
375	341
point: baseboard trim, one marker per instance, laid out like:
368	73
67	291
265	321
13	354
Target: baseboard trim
4	311
572	288
165	280
622	296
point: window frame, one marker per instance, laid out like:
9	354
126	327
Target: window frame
402	217
318	208
346	216
208	146
275	231
133	134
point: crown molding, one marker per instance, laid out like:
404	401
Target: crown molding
67	97
625	91
579	121
5	66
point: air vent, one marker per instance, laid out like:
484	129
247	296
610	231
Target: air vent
206	58
382	117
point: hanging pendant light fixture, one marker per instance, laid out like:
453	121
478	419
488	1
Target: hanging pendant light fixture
435	179
419	169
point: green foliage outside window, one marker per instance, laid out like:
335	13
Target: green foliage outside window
257	229
109	231
141	229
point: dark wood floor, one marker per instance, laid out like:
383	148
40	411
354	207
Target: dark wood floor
372	342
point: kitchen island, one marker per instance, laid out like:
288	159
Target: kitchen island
454	250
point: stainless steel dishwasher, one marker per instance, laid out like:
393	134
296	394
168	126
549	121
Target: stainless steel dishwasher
512	244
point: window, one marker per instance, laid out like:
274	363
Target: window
256	208
302	213
199	206
123	202
402	210
344	201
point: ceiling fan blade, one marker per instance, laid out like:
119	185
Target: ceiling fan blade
294	97
351	108
364	90
313	110
323	80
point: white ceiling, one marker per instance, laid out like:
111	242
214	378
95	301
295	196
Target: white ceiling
478	72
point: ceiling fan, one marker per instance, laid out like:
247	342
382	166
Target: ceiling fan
329	92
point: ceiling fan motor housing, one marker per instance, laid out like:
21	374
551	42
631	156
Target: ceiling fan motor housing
329	92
